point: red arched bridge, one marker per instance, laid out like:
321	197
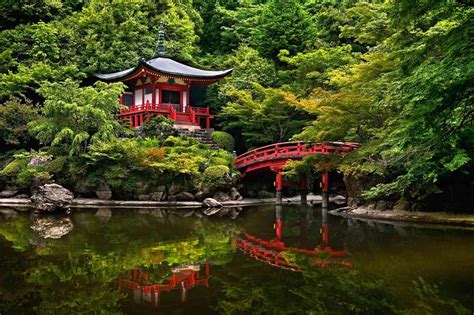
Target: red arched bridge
275	156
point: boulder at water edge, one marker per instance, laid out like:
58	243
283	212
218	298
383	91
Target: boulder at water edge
234	194
221	196
51	197
103	192
211	203
184	196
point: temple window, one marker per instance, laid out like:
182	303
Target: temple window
148	94
170	97
127	99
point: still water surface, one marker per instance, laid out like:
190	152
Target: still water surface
268	260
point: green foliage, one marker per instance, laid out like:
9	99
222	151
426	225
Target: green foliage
224	140
75	117
284	24
27	168
159	126
262	117
215	176
393	75
14	116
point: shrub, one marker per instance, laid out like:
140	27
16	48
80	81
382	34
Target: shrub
216	177
159	127
224	140
14	116
215	160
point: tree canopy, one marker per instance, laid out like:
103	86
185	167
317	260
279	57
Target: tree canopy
395	76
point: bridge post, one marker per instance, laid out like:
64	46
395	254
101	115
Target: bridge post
324	227
279	187
303	190
325	189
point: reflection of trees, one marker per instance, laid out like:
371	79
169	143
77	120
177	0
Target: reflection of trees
316	290
78	273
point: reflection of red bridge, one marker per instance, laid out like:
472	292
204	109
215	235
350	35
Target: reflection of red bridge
182	280
271	251
275	156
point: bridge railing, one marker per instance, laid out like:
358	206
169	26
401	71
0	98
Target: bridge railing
295	149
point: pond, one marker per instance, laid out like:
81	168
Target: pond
267	260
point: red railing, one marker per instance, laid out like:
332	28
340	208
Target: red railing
138	114
200	110
291	150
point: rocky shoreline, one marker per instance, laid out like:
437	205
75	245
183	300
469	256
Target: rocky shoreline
95	203
438	218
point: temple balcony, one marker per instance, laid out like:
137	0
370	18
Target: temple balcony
191	116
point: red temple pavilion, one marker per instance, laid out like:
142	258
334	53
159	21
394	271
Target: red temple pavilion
163	86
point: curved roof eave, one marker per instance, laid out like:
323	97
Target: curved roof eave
168	67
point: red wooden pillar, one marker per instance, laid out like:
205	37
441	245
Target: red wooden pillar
208	123
325	188
279	187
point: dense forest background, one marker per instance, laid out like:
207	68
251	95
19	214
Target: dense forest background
394	75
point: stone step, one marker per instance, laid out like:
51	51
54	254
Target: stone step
201	135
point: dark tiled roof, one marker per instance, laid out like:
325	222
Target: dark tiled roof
166	66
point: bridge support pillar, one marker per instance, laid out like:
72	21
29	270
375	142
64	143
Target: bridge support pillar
303	190
279	187
325	189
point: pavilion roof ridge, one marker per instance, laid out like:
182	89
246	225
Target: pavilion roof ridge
166	66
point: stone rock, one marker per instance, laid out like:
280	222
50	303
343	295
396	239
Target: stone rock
104	214
22	196
266	194
52	227
234	194
161	188
201	195
184	196
175	188
103	192
39	160
144	197
339	199
221	196
51	197
156	196
37	182
211	203
8	193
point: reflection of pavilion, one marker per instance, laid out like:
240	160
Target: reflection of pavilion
271	251
143	289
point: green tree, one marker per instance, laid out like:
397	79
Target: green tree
14	116
284	24
262	116
75	117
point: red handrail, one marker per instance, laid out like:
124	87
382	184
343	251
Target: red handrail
291	150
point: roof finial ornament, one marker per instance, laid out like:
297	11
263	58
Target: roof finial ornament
160	45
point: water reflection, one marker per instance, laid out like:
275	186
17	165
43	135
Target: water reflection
170	261
273	251
148	285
